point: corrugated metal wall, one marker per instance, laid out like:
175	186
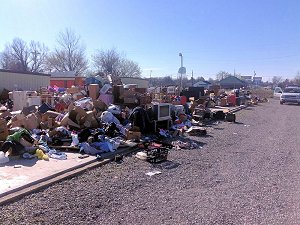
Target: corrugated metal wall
26	82
142	83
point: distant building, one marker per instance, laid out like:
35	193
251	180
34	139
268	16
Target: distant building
257	81
232	82
204	84
66	79
27	81
140	82
247	79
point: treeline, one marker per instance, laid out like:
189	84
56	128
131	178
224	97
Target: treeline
69	54
281	82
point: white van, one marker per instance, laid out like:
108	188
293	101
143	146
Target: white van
277	92
290	95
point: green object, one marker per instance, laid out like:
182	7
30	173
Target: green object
17	136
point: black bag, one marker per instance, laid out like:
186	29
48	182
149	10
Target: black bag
139	118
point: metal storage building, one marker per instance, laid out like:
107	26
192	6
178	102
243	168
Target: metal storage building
66	79
141	82
15	80
232	82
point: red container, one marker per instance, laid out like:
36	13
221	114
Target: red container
231	100
183	100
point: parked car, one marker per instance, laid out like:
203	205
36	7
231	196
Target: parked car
277	92
290	95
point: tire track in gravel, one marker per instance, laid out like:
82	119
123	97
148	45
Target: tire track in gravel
246	173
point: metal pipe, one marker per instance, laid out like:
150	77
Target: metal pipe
181	57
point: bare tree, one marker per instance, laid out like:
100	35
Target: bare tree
6	60
20	53
199	79
111	62
15	56
167	81
128	68
296	80
211	80
276	80
69	55
21	57
38	56
222	74
107	61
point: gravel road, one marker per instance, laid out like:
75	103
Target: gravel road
246	173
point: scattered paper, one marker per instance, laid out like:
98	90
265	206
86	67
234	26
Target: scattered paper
153	173
17	166
141	155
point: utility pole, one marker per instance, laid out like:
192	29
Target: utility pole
192	78
180	88
150	78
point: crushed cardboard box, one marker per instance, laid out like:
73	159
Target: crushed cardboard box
133	135
3	130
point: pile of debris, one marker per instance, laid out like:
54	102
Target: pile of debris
101	117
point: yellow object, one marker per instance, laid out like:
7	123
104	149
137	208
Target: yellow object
41	155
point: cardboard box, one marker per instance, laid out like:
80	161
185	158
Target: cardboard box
133	135
49	114
77	115
223	102
32	121
3	135
73	90
141	90
130	100
3	130
94	91
90	120
78	96
18	120
64	120
80	118
118	89
145	100
128	94
17	123
99	105
19	117
4	114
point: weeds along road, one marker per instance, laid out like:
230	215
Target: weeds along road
246	173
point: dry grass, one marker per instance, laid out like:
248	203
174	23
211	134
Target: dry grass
262	92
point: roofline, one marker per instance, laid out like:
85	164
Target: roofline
139	78
60	79
233	77
205	82
22	72
66	77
